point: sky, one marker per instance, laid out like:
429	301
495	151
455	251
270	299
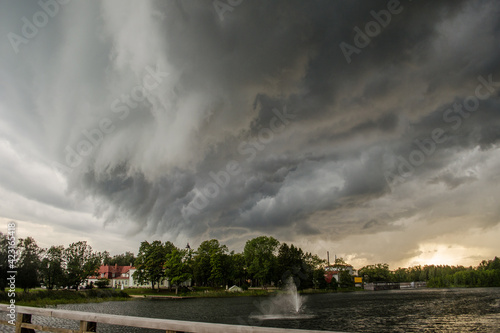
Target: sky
369	129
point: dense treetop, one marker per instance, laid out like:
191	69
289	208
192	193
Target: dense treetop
264	262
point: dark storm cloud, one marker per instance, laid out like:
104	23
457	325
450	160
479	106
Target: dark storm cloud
287	54
262	125
451	181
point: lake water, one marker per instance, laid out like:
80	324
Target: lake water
443	310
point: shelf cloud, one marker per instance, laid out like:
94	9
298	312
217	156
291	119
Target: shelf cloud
369	129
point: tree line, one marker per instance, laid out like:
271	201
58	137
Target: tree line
486	274
264	261
54	267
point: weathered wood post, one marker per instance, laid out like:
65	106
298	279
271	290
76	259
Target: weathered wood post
88	326
23	318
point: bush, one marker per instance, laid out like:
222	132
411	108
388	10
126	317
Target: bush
102	283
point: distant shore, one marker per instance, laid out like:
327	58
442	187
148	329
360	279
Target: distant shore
43	297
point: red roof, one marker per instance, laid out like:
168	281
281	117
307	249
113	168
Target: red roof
114	269
109	270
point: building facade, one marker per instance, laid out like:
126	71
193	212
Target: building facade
119	276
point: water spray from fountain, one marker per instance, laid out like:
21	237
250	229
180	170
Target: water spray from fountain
294	297
287	305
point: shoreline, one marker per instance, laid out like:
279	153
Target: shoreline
82	297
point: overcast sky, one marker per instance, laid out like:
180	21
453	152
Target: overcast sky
369	129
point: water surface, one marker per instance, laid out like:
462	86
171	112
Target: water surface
429	310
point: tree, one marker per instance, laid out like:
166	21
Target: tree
102	283
237	268
124	259
219	265
340	264
290	262
315	272
201	265
346	279
4	265
293	262
81	262
177	268
105	258
52	267
490	264
260	256
29	263
319	281
150	261
376	273
210	263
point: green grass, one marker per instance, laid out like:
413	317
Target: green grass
223	293
42	297
316	291
53	302
219	292
196	292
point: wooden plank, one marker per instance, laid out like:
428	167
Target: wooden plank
49	329
24	319
153	323
19	322
88	326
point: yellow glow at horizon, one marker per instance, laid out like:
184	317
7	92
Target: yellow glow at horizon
441	254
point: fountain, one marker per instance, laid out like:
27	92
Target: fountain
294	297
286	305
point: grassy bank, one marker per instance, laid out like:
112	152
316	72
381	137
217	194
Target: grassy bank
43	297
219	292
196	292
328	291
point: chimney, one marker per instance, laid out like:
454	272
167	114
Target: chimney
328	257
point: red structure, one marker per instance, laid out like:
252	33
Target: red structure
117	275
329	275
113	272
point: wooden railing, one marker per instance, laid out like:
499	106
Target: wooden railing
89	323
